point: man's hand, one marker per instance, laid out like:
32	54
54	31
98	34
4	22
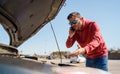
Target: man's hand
77	52
71	32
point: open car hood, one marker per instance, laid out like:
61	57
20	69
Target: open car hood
23	18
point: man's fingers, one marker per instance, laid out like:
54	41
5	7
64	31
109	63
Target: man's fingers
73	54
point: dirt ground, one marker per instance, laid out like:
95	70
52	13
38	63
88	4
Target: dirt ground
113	65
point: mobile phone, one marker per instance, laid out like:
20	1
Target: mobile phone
72	29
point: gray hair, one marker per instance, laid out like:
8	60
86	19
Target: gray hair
76	14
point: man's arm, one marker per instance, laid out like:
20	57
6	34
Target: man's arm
70	42
71	39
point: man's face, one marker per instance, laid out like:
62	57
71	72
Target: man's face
74	22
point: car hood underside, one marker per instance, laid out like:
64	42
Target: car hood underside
23	18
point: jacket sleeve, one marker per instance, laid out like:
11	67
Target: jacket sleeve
70	42
96	38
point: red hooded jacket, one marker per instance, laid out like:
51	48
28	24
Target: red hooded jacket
90	38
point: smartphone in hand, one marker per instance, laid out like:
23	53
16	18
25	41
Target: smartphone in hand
72	29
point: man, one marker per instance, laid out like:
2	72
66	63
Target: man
87	34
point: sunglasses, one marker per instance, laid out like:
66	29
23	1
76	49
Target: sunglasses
73	22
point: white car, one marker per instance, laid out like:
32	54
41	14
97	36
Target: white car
77	59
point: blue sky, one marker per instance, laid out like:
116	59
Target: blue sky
105	12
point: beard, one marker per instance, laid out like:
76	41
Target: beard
79	25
